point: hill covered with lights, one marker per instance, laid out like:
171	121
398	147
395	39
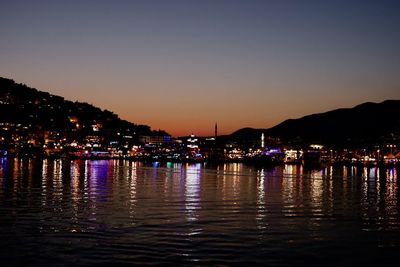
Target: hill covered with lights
30	118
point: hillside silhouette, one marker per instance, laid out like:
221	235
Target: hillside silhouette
25	108
366	123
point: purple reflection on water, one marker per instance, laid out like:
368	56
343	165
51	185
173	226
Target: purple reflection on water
97	174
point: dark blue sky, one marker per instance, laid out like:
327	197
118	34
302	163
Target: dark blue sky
182	65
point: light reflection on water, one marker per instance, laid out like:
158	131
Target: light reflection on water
90	212
192	191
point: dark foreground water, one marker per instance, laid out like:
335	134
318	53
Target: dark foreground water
85	213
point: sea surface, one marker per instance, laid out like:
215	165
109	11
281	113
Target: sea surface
123	213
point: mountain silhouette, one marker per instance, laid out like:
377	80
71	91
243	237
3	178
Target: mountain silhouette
366	123
25	109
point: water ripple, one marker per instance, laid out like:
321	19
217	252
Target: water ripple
85	213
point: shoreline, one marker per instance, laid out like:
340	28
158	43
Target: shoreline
251	162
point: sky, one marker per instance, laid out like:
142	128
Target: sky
182	66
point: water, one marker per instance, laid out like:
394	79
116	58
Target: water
85	213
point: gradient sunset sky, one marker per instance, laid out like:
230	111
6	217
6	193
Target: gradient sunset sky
183	65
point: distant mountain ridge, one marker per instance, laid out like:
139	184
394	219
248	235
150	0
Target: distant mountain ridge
365	123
